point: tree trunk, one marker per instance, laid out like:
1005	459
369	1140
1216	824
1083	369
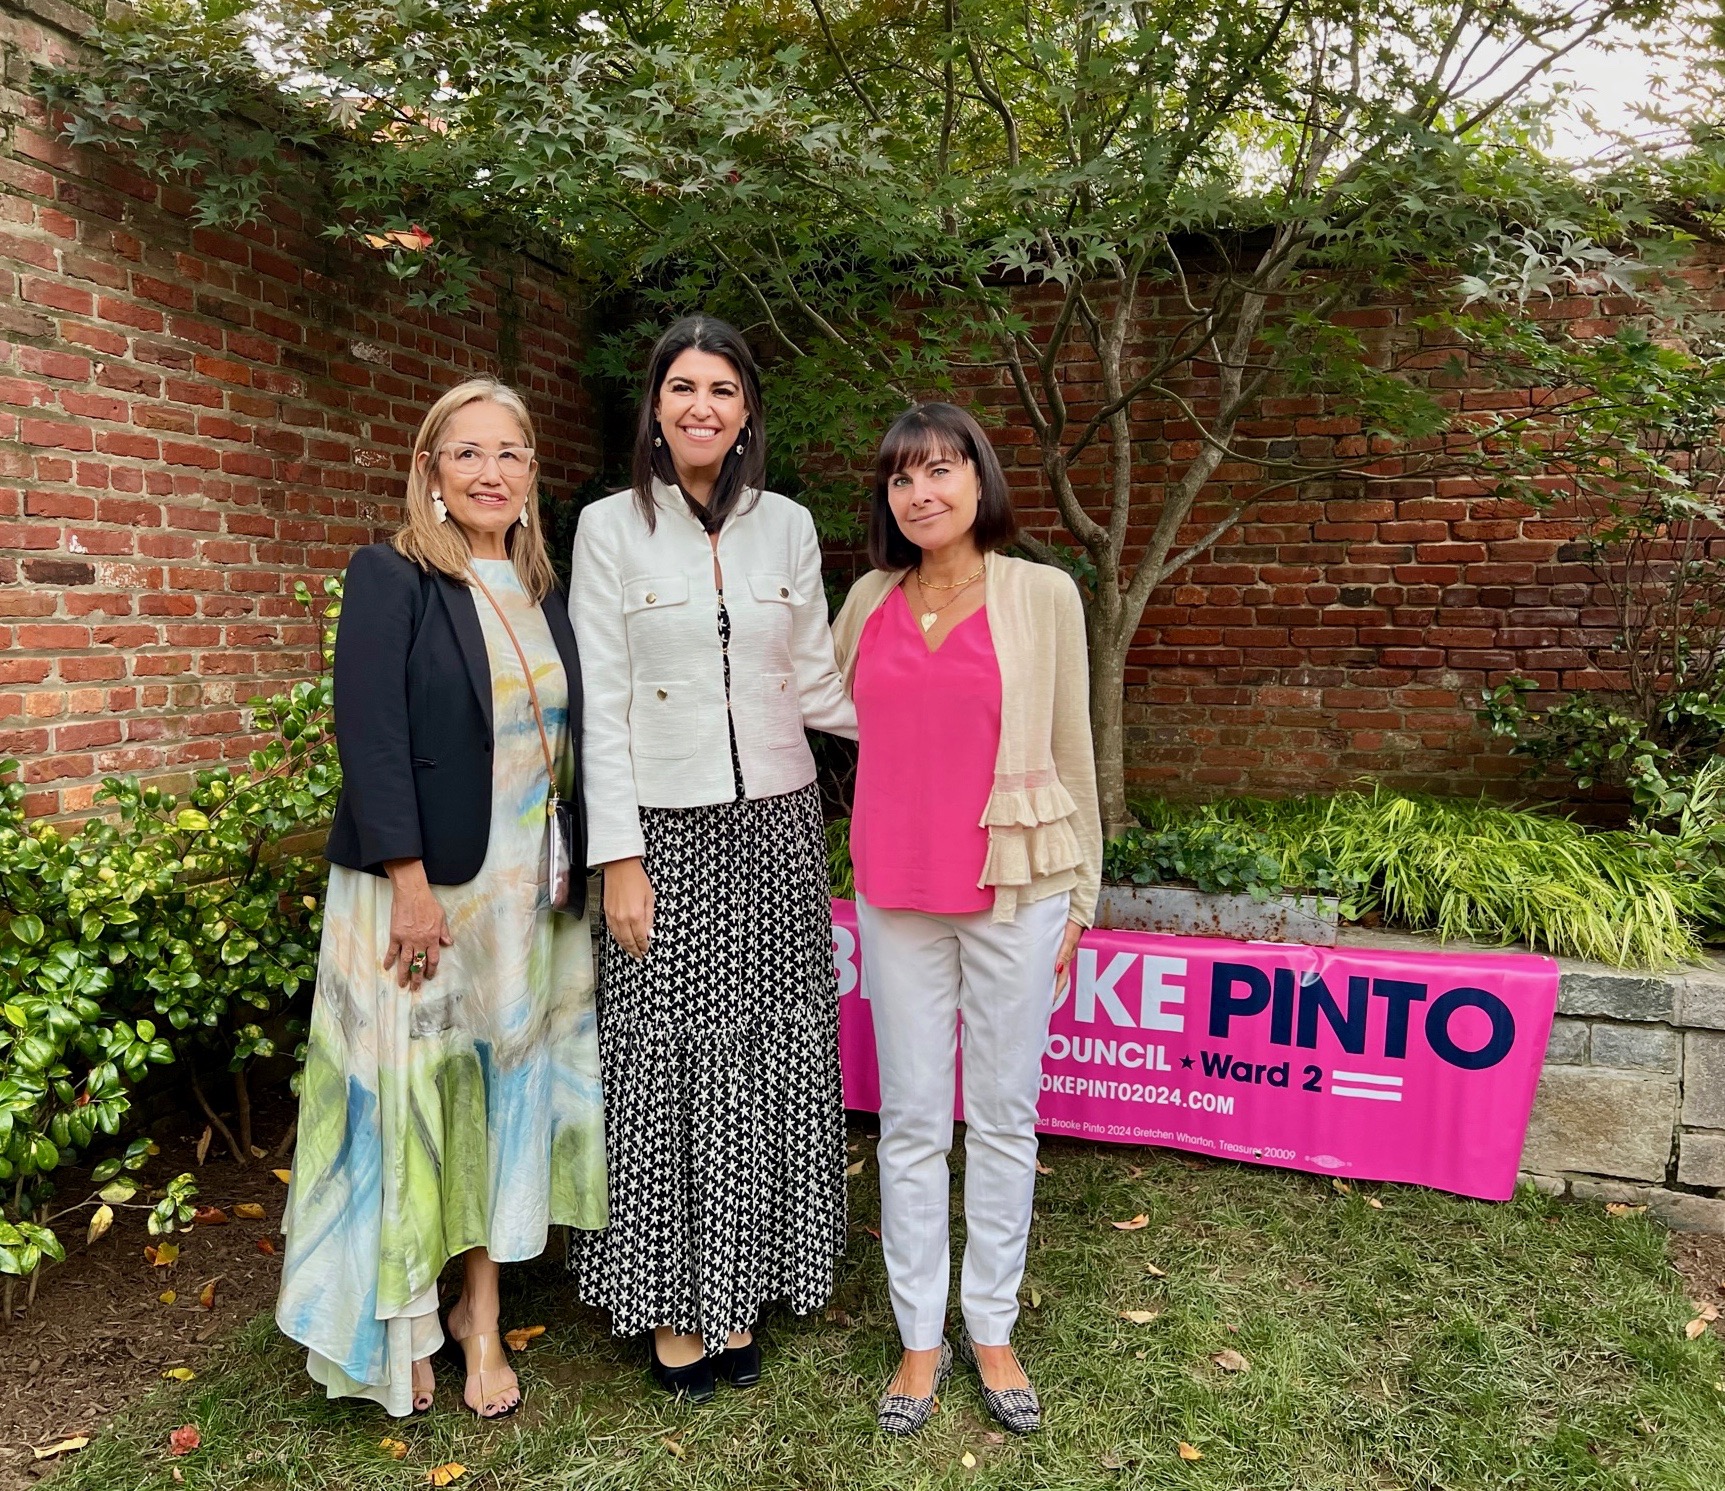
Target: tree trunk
1107	725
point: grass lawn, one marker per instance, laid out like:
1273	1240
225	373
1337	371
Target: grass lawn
1423	1343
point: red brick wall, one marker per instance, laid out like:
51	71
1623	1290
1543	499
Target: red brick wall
190	422
1341	633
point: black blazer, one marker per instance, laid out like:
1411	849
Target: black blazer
413	722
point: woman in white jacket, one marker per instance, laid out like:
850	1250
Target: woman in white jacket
702	627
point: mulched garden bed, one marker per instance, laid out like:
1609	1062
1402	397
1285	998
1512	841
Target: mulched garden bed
99	1335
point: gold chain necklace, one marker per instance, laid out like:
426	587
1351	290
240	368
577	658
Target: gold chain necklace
931	614
955	585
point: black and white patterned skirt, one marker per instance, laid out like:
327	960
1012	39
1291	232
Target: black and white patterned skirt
724	1113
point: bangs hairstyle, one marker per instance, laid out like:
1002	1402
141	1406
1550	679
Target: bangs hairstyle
925	433
741	477
443	547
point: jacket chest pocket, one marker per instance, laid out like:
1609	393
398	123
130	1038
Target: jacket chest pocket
657	619
781	713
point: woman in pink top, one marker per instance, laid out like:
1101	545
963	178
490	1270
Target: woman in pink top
976	839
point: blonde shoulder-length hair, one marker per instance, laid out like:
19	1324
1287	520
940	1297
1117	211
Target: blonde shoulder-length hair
443	546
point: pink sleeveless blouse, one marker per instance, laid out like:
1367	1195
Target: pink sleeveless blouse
928	726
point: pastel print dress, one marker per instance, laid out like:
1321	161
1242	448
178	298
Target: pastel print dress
466	1115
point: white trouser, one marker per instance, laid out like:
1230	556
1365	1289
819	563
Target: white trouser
919	972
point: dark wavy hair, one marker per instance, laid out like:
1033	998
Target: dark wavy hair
740	475
931	432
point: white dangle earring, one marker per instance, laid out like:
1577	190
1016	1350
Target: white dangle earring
437	506
523	518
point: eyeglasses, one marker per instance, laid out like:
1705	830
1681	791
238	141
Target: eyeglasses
514	462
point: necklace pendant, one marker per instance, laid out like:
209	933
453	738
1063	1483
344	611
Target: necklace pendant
928	619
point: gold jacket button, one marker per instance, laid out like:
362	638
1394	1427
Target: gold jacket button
663	694
651	598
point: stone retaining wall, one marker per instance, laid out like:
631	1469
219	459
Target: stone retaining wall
1631	1104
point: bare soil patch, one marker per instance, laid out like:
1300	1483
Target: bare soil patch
1700	1258
99	1335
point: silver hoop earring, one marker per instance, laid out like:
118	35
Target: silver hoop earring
438	506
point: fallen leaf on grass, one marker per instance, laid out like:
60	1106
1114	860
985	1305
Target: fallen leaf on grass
266	1246
184	1440
250	1210
210	1216
518	1338
258	1151
442	1475
967	1460
856	1169
1136	1224
167	1297
1622	1209
1341	1185
1705	1315
207	1295
1042	1169
284	1176
675	1448
1036	1299
1113	1462
164	1256
836	1316
873	1232
204	1143
174	1471
1134	1171
1154	1272
64	1447
1231	1361
1139	1317
180	1374
1374	1203
1188	1453
394	1448
100	1222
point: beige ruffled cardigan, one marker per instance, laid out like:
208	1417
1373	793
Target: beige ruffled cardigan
1044	827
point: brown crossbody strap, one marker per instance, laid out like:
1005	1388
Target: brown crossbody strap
532	692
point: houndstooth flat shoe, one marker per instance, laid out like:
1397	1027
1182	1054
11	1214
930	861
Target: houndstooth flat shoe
901	1414
1016	1408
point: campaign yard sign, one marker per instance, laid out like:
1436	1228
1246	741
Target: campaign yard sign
1375	1064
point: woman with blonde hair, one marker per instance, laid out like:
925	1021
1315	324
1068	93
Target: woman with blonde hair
977	846
450	1105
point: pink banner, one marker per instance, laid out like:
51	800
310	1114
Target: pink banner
1374	1064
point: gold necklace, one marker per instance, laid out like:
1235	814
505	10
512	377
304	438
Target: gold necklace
956	584
931	614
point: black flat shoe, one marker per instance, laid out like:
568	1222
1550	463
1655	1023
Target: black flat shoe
694	1382
739	1365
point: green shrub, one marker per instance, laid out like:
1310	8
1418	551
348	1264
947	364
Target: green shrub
174	927
1483	871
